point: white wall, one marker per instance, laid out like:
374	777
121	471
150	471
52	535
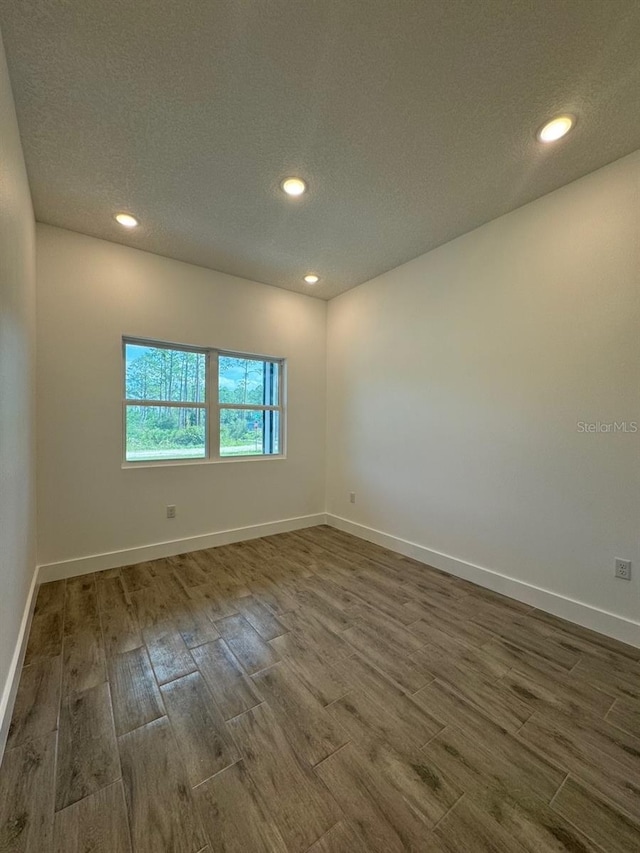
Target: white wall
456	381
17	386
90	294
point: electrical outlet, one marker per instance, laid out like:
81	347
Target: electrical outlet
171	511
352	497
623	569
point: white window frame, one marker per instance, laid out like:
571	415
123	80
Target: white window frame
211	405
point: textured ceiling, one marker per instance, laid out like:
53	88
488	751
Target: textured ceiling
413	121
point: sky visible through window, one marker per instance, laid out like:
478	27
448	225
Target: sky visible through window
233	372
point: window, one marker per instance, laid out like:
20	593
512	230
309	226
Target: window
187	403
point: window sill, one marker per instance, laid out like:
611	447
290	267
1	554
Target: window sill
172	463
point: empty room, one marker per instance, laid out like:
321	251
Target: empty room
319	426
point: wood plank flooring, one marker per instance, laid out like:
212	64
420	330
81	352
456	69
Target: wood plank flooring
314	692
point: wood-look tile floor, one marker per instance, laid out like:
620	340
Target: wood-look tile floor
313	692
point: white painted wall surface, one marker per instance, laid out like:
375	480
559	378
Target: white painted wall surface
17	389
456	382
90	294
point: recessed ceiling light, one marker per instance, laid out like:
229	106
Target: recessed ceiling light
293	186
126	220
556	128
312	278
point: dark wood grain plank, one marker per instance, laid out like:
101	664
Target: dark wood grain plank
45	637
569	748
192	622
189	570
607	826
505	790
168	652
617	681
152	606
507	709
520	630
319	674
212	601
87	753
162	815
96	824
35	712
83	660
260	617
50	598
306	625
301	806
341	838
120	627
542	686
276	596
204	560
555	623
384	581
542	694
385	657
335	618
392	606
134	692
414	720
594	734
392	751
81	605
235	816
246	644
394	808
466	827
336	598
502	758
231	689
204	741
458	650
395	633
27	797
364	720
514	657
443	704
136	577
625	714
516	760
312	732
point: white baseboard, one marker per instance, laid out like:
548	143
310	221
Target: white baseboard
625	630
10	688
129	556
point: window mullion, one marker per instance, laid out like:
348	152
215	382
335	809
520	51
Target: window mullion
251	407
164	404
282	403
214	405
